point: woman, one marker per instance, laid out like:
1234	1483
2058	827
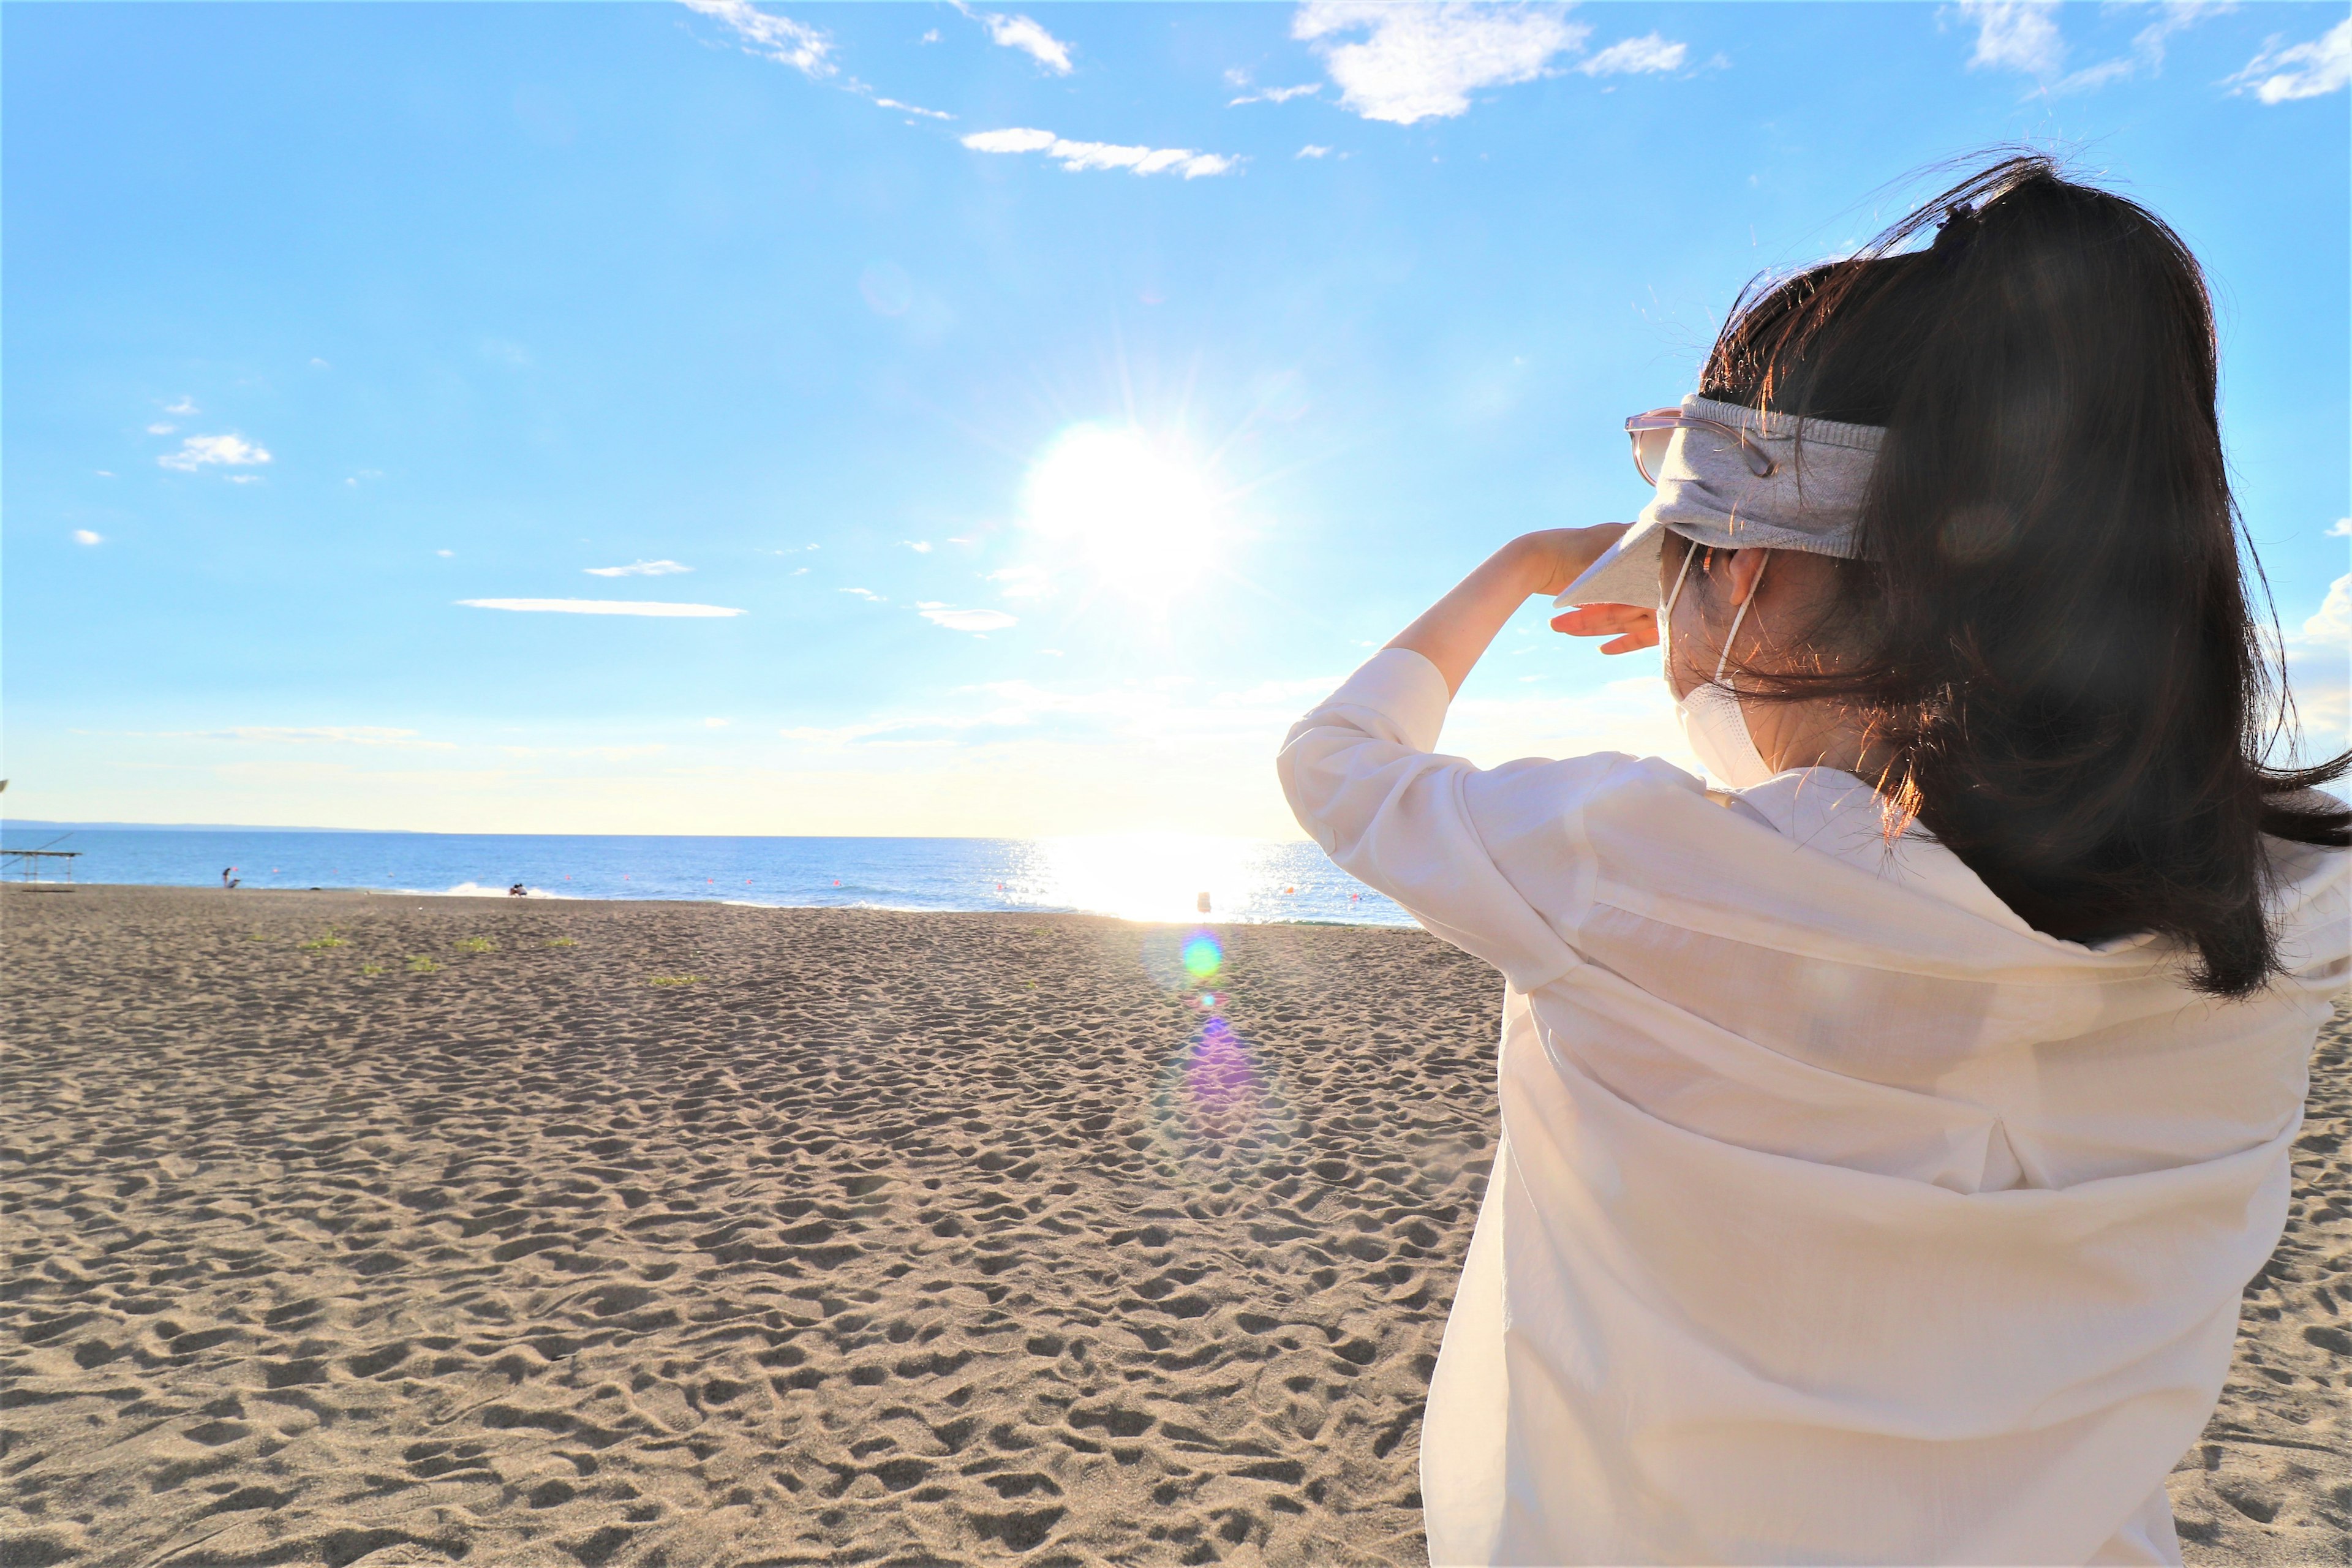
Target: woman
1885	1137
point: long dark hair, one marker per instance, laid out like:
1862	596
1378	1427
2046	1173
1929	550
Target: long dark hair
2049	633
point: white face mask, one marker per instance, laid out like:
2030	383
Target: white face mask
1711	715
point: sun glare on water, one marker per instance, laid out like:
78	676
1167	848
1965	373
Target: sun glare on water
1159	877
1136	508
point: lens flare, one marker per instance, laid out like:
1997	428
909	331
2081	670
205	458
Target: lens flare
1204	956
1218	1110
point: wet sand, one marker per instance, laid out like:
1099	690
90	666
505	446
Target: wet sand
677	1234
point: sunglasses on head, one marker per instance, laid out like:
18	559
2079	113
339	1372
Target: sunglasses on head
1653	430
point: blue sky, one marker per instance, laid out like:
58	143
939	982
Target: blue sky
1055	401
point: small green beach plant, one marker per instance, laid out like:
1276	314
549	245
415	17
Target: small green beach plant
675	980
420	964
475	945
562	941
372	968
323	944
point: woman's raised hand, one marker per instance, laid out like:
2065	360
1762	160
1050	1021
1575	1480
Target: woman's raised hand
1630	625
1455	630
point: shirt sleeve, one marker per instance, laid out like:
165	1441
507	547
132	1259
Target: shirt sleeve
1362	779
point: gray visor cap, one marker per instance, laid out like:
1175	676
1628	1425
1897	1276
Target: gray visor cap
1709	495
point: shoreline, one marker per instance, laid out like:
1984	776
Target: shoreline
619	1231
543	896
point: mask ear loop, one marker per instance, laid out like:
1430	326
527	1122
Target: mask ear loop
1725	657
1690	549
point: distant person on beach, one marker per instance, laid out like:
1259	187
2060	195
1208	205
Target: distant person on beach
228	880
518	891
1887	1131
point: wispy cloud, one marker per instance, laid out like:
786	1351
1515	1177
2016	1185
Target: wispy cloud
1021	581
161	427
1312	151
200	451
638	569
805	49
315	735
1081	155
2147	55
868	595
186	406
84	536
957	620
600	607
914	109
2342	528
2300	70
1422	62
1025	35
1252	94
2016	35
1647	53
920	546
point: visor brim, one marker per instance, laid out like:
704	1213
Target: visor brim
1624	574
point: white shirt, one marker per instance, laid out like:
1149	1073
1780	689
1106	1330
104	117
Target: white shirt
1839	1216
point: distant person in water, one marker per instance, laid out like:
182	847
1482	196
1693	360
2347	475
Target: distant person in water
1888	1130
226	880
517	892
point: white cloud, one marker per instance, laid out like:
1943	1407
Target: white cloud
914	109
318	364
2331	626
1022	33
804	49
600	607
2319	669
197	451
1312	151
920	546
1010	140
2016	35
245	479
444	554
1423	61
1081	155
2300	70
1648	53
868	595
103	473
966	620
2343	529
717	723
638	569
184	406
84	536
161	428
797	572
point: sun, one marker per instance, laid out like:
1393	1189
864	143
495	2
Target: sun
1137	509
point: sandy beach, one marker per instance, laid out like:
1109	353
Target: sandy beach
362	1229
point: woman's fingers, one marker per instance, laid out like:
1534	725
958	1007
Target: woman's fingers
1630	625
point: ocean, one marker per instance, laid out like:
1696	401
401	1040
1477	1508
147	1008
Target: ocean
1149	877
